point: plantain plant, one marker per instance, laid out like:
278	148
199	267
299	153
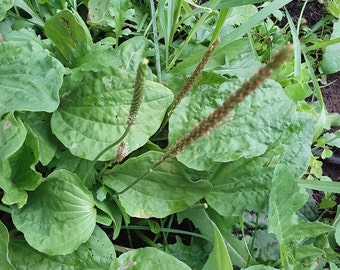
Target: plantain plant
140	138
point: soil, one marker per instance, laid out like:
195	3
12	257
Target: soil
331	95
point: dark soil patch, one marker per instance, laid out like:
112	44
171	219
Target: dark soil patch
313	12
331	95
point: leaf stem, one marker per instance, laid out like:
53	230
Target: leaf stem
5	209
155	41
189	83
140	177
146	239
251	249
146	228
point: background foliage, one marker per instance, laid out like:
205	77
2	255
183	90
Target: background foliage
240	197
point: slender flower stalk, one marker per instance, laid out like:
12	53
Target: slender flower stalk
228	105
122	150
193	78
138	91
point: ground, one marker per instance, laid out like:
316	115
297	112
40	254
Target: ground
331	95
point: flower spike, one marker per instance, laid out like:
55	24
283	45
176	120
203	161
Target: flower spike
229	104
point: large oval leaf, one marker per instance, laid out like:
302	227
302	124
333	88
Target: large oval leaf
254	125
164	191
245	183
96	253
146	259
59	214
95	111
30	78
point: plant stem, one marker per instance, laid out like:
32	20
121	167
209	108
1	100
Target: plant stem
121	249
155	41
251	249
146	228
140	177
5	209
146	239
190	82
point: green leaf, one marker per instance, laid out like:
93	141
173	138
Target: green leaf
239	185
146	259
236	3
305	251
96	58
285	199
5	5
99	13
17	173
245	183
234	59
331	58
39	126
237	248
260	267
333	187
12	135
266	247
65	160
94	113
294	146
69	34
164	191
248	132
332	139
112	211
30	78
96	253
30	10
337	232
334	9
59	215
113	14
194	255
131	53
5	262
219	257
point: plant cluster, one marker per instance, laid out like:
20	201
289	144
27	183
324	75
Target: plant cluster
165	135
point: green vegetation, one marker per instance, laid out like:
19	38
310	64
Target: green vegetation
166	135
